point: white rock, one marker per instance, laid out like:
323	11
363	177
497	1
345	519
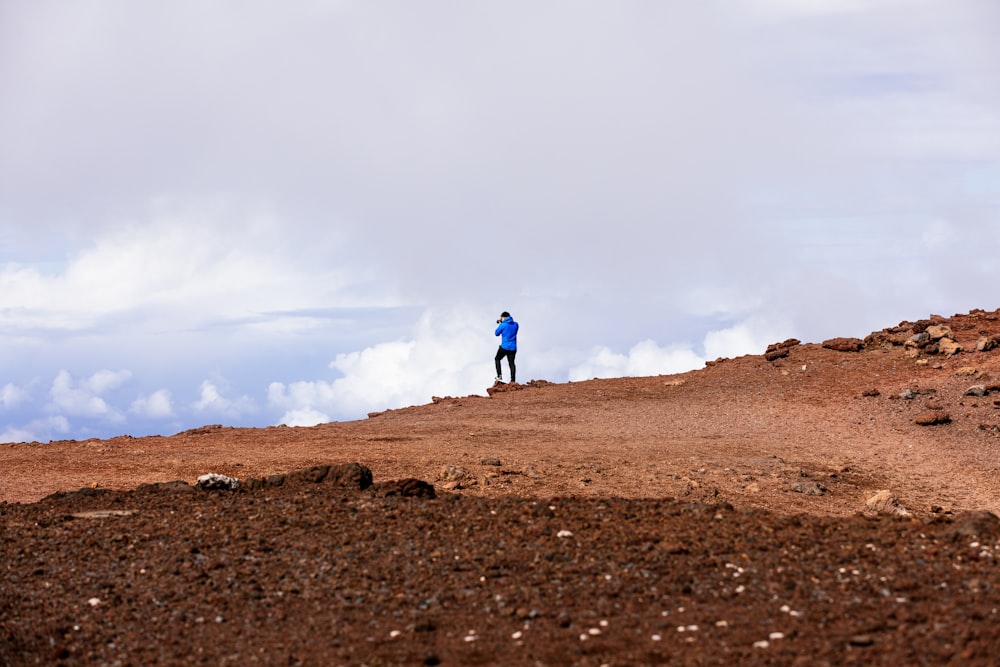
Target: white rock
215	482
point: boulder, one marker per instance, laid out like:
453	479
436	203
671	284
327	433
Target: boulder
948	347
932	418
844	344
886	338
774	355
810	488
987	343
938	331
787	343
215	482
884	502
780	350
918	340
349	476
453	473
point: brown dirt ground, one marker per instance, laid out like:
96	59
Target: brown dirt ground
712	517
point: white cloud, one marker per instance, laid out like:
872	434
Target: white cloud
751	336
644	358
213	402
11	396
938	233
449	353
39	430
183	266
304	417
789	8
157	405
748	337
83	398
105	380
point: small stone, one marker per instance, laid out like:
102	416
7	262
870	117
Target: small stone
976	390
810	488
932	418
490	461
453	473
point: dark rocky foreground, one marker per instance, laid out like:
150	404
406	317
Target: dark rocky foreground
322	574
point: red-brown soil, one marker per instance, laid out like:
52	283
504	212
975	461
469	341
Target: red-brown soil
712	517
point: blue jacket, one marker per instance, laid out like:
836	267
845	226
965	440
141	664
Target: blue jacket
508	329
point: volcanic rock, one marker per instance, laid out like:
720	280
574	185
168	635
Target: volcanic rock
932	418
918	340
810	488
885	502
216	482
938	331
780	350
987	343
404	488
948	347
844	344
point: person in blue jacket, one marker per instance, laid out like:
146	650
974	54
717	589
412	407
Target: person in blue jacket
507	330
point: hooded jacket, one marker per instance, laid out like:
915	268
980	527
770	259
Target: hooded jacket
508	332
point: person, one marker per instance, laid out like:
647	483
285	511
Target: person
507	330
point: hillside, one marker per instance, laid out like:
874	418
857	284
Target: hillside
819	503
743	431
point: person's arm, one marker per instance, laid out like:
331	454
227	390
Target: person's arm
499	329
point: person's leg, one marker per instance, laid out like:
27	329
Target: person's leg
500	353
513	368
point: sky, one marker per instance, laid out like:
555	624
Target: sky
252	213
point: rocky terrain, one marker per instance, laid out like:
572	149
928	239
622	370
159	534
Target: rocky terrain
820	503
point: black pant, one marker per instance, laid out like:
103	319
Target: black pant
501	353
